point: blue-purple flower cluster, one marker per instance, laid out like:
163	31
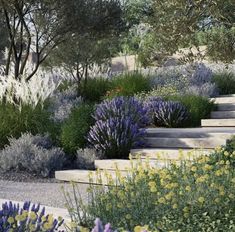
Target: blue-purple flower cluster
167	113
123	107
16	219
118	126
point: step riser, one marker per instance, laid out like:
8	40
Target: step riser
218	123
226	107
223	115
188	135
184	143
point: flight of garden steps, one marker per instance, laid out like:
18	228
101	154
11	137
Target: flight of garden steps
165	145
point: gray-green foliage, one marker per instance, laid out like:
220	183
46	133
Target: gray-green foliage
32	154
215	18
85	158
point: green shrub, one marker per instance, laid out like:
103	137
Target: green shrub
14	122
129	85
197	106
76	128
225	82
94	89
191	197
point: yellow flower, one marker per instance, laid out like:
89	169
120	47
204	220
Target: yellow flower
33	216
201	200
222	193
141	228
175	206
207	167
188	188
128	216
186	209
169	196
162	200
217	200
153	187
194	169
233	180
43	219
47	226
226	154
218	173
227	162
11	220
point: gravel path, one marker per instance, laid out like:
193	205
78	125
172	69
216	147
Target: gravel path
49	194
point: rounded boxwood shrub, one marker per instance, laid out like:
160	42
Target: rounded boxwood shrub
76	128
15	121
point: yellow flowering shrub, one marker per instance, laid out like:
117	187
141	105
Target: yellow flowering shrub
194	196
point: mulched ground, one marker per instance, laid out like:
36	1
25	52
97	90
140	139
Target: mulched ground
25	177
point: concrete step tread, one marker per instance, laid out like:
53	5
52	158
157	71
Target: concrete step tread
87	177
153	142
169	154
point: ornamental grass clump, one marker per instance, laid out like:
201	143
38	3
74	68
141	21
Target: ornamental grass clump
14	218
33	92
192	196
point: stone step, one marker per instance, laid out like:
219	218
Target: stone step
224	100
228	95
218	122
88	177
153	142
125	165
169	154
188	132
222	114
226	107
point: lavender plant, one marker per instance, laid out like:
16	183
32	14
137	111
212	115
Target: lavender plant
27	218
63	103
33	154
196	77
123	107
116	136
167	113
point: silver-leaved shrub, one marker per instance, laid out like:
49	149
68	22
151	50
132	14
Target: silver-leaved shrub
32	154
